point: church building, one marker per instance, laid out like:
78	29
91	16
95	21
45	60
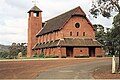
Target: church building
69	34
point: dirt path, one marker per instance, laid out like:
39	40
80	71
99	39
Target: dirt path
31	68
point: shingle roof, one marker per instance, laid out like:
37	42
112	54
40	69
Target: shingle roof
69	42
79	42
35	9
58	22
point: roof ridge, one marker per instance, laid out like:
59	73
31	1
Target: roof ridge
64	13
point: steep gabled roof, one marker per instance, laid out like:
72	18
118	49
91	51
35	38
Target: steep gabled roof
34	9
58	22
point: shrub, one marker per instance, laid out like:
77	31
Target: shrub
99	56
41	55
108	55
81	56
55	56
10	57
63	57
3	54
35	55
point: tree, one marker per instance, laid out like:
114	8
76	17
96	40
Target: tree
16	48
105	8
116	32
100	33
104	37
110	42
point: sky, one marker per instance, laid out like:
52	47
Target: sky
14	16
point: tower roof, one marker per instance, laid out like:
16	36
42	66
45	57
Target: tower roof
35	9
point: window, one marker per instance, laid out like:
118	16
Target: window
83	33
36	14
77	25
77	33
70	33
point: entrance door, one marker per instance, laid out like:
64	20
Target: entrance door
91	52
69	51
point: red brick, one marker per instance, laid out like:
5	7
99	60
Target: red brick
34	25
80	51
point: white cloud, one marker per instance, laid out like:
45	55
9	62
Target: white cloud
14	31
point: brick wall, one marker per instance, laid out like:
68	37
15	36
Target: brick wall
63	51
34	25
84	27
99	51
80	51
51	36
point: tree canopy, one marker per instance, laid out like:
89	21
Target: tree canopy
104	7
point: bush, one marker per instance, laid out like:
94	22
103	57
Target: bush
41	55
35	55
9	57
63	57
99	56
3	54
81	56
108	55
55	56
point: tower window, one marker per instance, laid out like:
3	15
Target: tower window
70	33
77	33
36	14
83	33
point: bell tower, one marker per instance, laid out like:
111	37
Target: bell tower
34	26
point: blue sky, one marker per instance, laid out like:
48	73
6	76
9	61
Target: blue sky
14	17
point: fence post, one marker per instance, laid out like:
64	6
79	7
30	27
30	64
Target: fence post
113	64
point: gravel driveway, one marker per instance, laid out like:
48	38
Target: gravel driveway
30	69
82	70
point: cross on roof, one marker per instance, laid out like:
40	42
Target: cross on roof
35	2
